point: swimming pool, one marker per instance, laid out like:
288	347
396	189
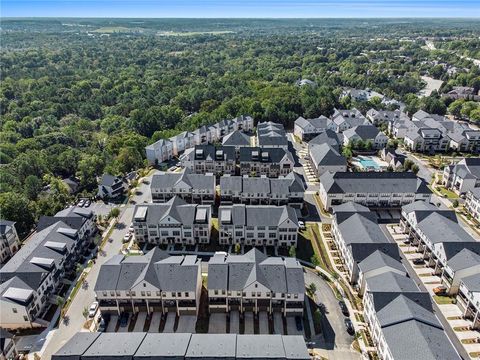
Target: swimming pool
369	163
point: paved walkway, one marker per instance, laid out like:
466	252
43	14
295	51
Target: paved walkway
155	323
248	317
263	322
141	317
217	323
234	322
278	323
169	323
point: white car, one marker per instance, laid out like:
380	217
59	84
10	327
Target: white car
127	237
301	225
130	229
93	309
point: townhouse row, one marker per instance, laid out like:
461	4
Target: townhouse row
373	189
400	316
462	177
158	282
253	161
179	346
165	149
30	280
9	240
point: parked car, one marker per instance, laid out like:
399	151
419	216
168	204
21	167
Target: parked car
88	203
93	309
407	241
440	290
301	225
124	319
418	261
344	308
81	203
127	237
130	229
349	326
298	323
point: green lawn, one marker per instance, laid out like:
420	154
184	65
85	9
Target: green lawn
443	300
447	193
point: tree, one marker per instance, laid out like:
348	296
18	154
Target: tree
238	247
85	312
407	164
32	187
115	212
292	252
16	207
455	203
311	289
315	260
415	169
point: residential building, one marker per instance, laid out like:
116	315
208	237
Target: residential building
379	117
361	95
329	137
258	225
325	158
8	350
345	119
463	176
111	187
9	241
368	134
392	158
463	92
446	247
255	282
80	219
472	203
173	222
284	190
193	188
373	189
204	159
181	346
237	139
182	141
151	282
159	151
271	135
468	299
271	162
31	278
307	129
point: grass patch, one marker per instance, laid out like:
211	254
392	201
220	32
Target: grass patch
454	318
321	251
443	300
461	328
469	341
474	354
446	193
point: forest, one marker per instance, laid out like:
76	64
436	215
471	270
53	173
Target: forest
80	97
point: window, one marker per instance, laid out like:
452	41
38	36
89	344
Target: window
142	293
179	294
186	294
149	293
104	293
132	293
216	292
25	318
158	293
173	294
14	310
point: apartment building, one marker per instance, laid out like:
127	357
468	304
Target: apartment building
180	346
366	134
204	159
472	203
80	219
345	119
271	135
151	282
329	137
255	282
258	225
8	350
468	299
182	141
447	248
307	129
173	222
463	176
30	279
284	190
272	162
111	187
9	241
159	151
379	117
325	158
373	189
191	187
237	139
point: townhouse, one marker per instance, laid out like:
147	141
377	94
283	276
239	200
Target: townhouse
446	247
271	135
284	190
345	119
31	278
271	162
396	161
155	281
380	117
237	139
179	346
204	159
329	137
307	129
357	235
9	241
368	134
472	203
173	222
463	92
193	188
255	282
181	142
361	95
325	158
111	187
80	219
373	189
258	225
463	176
159	151
468	299
8	348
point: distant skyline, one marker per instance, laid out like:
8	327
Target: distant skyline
240	8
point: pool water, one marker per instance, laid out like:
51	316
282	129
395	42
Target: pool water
369	163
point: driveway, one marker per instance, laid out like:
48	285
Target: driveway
292	327
186	324
169	323
278	324
217	323
263	322
141	317
155	323
112	324
234	322
248	323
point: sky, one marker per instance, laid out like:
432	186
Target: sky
240	8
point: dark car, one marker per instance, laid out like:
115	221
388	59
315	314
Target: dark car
124	319
349	326
344	308
298	323
418	261
102	325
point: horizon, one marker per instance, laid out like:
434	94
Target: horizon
237	9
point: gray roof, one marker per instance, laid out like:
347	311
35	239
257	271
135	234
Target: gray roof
439	228
350	206
281	185
329	137
6	225
378	260
270	134
373	182
365	132
387	116
259	215
294	346
109	180
161	346
236	138
76	346
319	123
361	228
206	346
184	179
274	155
264	347
472	282
256	185
465	259
114	345
391	282
231	183
326	155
